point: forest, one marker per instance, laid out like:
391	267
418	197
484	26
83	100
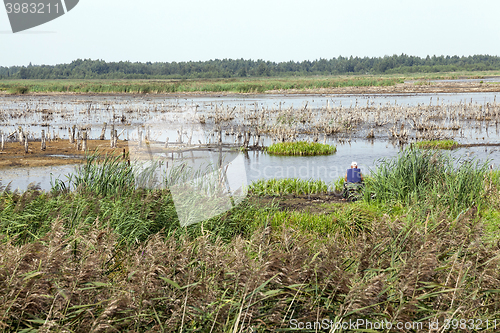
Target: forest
229	68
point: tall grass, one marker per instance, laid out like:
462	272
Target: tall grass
346	220
387	271
421	176
247	85
100	175
301	148
75	261
276	187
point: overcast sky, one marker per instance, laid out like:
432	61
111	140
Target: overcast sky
276	30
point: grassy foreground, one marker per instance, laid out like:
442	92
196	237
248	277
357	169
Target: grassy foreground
420	247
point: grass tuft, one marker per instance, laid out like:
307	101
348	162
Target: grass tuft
434	178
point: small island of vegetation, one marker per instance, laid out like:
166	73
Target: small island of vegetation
301	148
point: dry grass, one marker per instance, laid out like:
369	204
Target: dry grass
250	269
89	281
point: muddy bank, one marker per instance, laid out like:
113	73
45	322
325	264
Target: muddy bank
424	87
59	152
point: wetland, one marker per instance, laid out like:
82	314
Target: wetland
162	212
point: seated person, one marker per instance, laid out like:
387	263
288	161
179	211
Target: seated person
353	181
353	175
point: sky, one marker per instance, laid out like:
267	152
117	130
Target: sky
274	30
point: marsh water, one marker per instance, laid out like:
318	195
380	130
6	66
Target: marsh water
56	113
259	165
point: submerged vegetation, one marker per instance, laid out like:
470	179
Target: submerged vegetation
302	148
108	256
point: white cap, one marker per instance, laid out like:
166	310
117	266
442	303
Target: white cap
354	164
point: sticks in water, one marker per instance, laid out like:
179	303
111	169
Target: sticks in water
84	140
103	132
26	144
43	147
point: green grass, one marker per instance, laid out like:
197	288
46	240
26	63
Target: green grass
100	175
277	187
425	177
436	144
346	221
247	85
232	85
301	148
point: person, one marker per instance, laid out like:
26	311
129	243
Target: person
353	175
353	181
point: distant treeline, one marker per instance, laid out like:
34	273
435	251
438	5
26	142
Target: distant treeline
227	68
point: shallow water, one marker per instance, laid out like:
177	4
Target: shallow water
21	178
161	118
258	165
55	113
65	110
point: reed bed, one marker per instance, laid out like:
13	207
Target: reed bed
301	148
433	178
268	280
118	260
249	85
277	187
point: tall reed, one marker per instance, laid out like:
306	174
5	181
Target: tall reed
100	175
433	177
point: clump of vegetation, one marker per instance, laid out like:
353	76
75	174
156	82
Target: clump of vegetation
17	90
346	221
436	144
276	187
338	184
301	148
418	176
423	83
100	175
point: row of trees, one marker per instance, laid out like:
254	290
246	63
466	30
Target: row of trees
226	68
